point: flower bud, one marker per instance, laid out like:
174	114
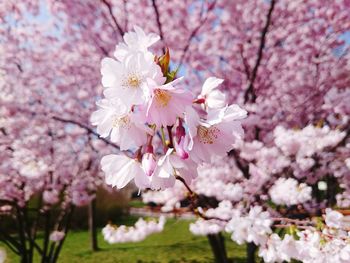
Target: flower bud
180	148
148	163
179	132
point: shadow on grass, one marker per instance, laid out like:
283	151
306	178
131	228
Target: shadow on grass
88	253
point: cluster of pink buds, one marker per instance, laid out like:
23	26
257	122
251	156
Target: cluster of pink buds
163	130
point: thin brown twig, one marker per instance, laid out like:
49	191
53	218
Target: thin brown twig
87	128
185	184
194	33
114	19
250	92
193	197
290	220
159	24
245	63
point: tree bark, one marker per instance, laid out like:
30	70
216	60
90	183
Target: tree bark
217	244
92	225
251	249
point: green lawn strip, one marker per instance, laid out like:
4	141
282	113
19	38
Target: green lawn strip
174	245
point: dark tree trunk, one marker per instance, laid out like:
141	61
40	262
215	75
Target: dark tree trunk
251	249
331	190
92	225
217	244
22	239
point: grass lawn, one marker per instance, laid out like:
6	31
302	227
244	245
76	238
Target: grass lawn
174	245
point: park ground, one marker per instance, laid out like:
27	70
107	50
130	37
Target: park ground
174	245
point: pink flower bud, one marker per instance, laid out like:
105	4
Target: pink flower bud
199	101
149	148
179	132
148	163
180	148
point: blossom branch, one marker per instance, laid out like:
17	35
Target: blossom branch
250	90
295	221
194	33
185	184
110	11
87	128
193	198
159	24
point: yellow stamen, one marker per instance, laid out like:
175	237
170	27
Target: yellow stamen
122	121
132	81
162	97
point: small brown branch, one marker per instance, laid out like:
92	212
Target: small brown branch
110	11
194	33
185	184
245	63
156	11
242	167
3	131
126	22
294	221
203	216
87	128
250	92
193	198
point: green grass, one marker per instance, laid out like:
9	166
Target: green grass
174	245
136	203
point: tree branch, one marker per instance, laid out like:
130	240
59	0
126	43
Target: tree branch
193	198
87	128
110	11
250	93
194	33
156	11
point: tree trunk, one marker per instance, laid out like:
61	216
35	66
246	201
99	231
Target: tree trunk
251	249
331	190
92	225
217	244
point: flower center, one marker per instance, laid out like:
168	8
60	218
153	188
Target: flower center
162	97
123	122
132	81
207	135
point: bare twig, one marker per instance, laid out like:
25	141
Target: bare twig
126	22
193	197
185	184
87	128
250	92
245	63
194	33
114	19
156	11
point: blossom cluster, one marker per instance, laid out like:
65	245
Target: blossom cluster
165	130
311	245
304	143
287	191
326	243
215	220
169	198
136	233
219	179
253	227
